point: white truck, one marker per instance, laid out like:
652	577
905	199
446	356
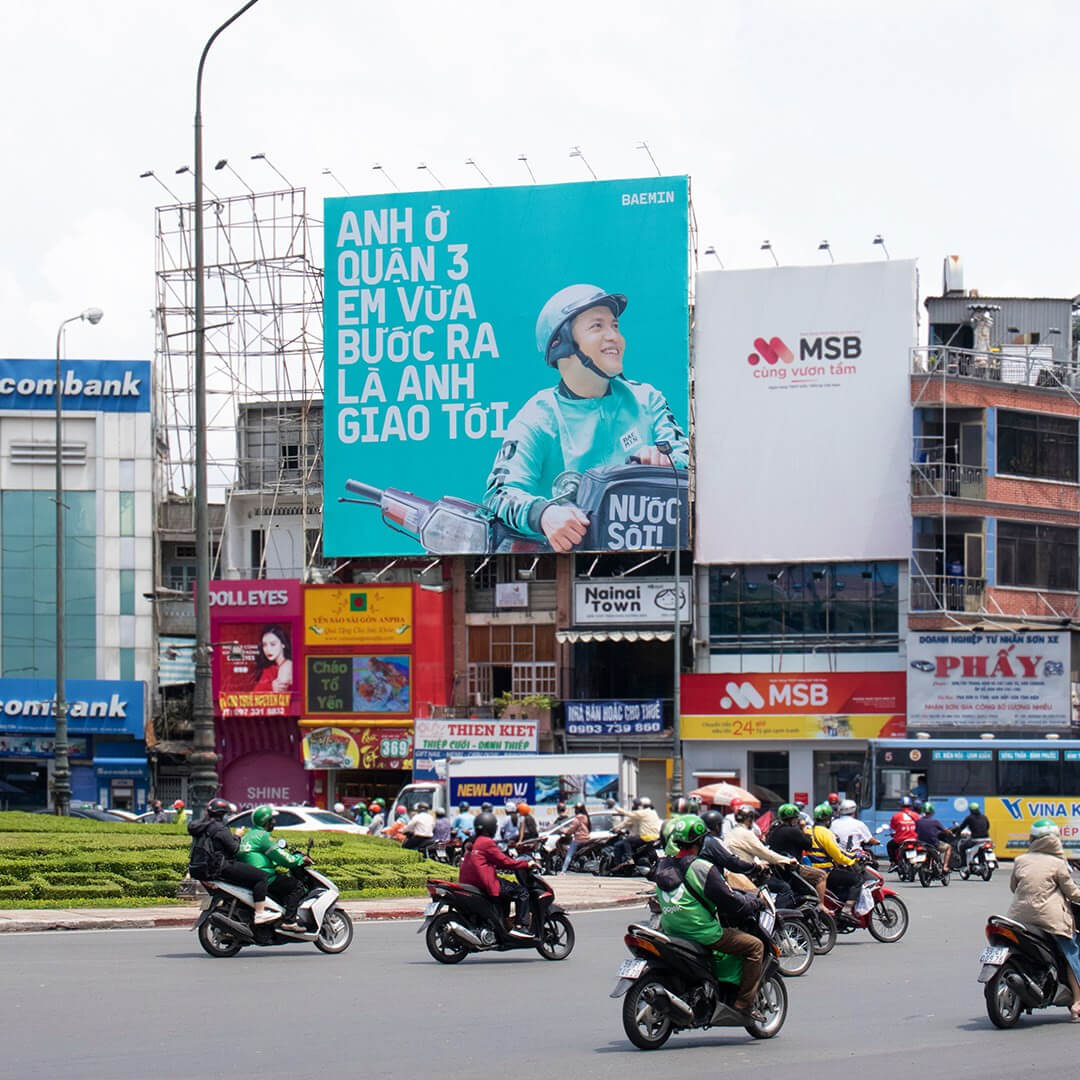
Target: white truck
541	780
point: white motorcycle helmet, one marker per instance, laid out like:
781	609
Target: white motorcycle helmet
847	808
339	808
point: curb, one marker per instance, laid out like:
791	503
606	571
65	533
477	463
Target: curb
184	919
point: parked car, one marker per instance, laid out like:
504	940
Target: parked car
301	819
147	818
124	815
89	810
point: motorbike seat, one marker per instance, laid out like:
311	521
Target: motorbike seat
471	889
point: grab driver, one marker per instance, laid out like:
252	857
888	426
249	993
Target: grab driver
595	416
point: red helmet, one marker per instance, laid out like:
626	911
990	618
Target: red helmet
832	799
735	804
178	805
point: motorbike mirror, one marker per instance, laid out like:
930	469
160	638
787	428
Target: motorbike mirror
281	843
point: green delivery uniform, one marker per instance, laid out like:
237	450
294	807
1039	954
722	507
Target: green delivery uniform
686	912
258	849
557	432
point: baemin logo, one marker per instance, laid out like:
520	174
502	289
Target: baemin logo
773	350
744	695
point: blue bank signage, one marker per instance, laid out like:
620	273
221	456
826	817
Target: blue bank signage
86	385
95	706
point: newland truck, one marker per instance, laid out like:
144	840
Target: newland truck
541	780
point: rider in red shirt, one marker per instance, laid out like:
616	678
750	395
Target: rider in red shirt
479	866
902	824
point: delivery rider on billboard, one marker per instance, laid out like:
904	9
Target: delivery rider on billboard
594	417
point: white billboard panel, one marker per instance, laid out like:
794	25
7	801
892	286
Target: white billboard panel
630	601
984	681
804	412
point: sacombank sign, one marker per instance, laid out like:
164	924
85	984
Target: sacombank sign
85	385
102	707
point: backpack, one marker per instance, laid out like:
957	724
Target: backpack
206	859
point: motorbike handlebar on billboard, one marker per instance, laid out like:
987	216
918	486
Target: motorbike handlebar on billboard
506	369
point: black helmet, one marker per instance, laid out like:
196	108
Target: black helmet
485	825
714	821
636	804
486	808
218	807
609	804
679	805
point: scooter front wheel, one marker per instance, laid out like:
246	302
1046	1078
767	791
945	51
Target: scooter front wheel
336	932
772	1003
556	938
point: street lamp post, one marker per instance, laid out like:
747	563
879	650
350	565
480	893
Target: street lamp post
61	768
676	693
204	779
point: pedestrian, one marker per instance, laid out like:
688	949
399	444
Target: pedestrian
181	813
157	813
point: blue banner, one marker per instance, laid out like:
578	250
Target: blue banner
614	717
475	790
94	706
87	385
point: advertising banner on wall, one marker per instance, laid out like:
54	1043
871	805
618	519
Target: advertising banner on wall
358	748
1011	819
754	705
614	717
475	343
626	601
989	680
359	685
358	615
86	385
801	374
254	629
437	740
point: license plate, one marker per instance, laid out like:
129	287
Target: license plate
993	954
917	858
440	851
911	855
631	969
766	920
431	908
991	862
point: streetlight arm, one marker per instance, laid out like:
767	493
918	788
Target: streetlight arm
206	48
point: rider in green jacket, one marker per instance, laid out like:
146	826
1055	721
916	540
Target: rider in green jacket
594	417
259	849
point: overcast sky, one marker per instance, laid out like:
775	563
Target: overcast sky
948	127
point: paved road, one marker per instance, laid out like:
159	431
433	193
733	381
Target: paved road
119	1004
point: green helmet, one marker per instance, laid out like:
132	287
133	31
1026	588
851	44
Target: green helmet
928	808
262	817
787	812
974	807
1044	827
822	812
553	337
688	830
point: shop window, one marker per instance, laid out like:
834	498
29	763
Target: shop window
516	659
1036	556
1033	444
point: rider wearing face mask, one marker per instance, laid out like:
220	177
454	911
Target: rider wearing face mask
259	850
478	869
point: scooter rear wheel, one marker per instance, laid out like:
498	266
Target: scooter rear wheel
1003	1004
888	921
217	942
796	948
826	936
987	873
443	944
646	1025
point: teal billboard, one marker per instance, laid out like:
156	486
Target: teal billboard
506	369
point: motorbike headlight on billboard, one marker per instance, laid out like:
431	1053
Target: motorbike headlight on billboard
483	347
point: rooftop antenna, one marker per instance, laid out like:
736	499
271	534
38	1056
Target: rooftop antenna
427	168
328	172
766	245
643	145
389	179
575	151
263	157
151	173
469	161
525	161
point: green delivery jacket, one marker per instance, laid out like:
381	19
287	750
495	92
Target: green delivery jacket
257	848
557	432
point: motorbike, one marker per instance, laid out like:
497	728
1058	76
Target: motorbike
878	909
1021	969
644	860
933	868
447	851
630	507
911	856
587	859
461	919
979	859
226	924
670	984
820	924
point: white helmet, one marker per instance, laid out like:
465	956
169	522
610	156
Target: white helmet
1044	827
646	802
339	808
847	807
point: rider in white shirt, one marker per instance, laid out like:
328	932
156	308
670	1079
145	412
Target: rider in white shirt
851	833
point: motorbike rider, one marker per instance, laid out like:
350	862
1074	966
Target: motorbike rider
788	837
259	850
934	835
181	812
440	832
578	829
742	841
851	833
462	825
641	825
227	867
527	826
1043	890
902	824
378	817
420	830
827	856
478	869
697	903
157	813
594	417
510	829
977	825
729	819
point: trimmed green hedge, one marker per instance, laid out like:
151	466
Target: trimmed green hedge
46	860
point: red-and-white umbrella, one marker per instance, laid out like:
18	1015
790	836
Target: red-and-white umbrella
722	793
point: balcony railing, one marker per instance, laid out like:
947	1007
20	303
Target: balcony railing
946	592
1036	367
934	480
